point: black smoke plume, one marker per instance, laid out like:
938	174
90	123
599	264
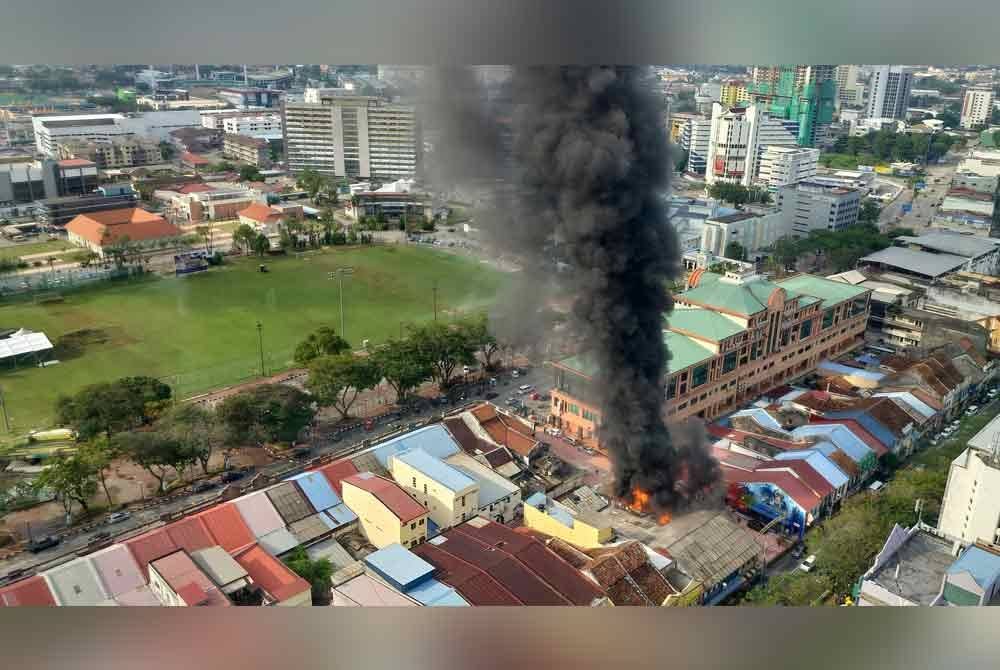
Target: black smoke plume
591	168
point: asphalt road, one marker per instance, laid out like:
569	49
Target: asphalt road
924	203
322	443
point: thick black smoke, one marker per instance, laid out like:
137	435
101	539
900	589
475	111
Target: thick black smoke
591	167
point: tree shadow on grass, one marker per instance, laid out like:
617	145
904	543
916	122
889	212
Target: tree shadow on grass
74	344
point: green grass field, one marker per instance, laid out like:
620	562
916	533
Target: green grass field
198	332
47	247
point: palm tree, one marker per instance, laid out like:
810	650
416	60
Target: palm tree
205	232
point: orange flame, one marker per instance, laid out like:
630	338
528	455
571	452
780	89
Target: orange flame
640	500
664	519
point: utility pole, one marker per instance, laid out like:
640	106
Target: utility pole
434	290
260	346
3	407
339	275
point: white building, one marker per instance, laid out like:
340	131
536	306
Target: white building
50	130
970	510
739	137
753	230
983	163
352	136
252	125
782	166
889	92
813	206
694	140
977	107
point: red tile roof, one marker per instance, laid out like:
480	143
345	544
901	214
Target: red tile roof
227	527
30	592
194	159
734	459
190	533
76	162
108	227
795	489
490	564
805	473
194	188
505	430
336	471
740	437
150	546
466	438
188	581
271	574
261	213
390	494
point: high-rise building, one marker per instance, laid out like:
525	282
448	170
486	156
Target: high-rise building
782	166
734	93
694	140
848	90
889	92
971	506
977	107
739	137
805	94
347	135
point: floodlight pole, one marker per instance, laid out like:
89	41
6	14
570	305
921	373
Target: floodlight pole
260	346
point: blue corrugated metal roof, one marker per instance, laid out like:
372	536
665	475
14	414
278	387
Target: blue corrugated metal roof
489	490
843	438
444	474
826	468
399	566
434	440
317	489
432	593
921	407
983	565
881	433
342	514
535	499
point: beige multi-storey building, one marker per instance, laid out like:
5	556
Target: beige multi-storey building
249	150
977	107
114	153
731	338
348	135
448	494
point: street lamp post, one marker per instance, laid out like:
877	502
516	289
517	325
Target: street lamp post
260	346
339	275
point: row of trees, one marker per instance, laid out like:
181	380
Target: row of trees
840	250
432	351
134	418
886	145
738	194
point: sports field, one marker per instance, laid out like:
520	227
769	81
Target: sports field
199	332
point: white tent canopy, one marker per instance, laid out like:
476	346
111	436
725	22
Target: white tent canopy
23	342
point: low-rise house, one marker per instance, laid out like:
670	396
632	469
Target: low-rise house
411	575
548	516
281	586
103	231
450	496
386	514
179	582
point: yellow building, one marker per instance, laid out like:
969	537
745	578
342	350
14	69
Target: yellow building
386	513
549	517
449	495
734	93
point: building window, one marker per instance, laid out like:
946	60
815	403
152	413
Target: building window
425	488
700	376
805	330
462	503
413	526
729	362
415	484
827	319
420	523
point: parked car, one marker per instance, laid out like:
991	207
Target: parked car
118	517
553	431
491	395
525	388
797	551
301	452
493	381
43	543
202	486
572	440
808	564
232	476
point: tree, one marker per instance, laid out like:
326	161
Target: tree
195	428
681	163
265	413
402	366
949	118
444	347
338	380
110	407
72	479
205	233
869	211
99	454
735	251
244	236
318	573
167	151
260	244
324	341
311	182
477	330
250	173
155	452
